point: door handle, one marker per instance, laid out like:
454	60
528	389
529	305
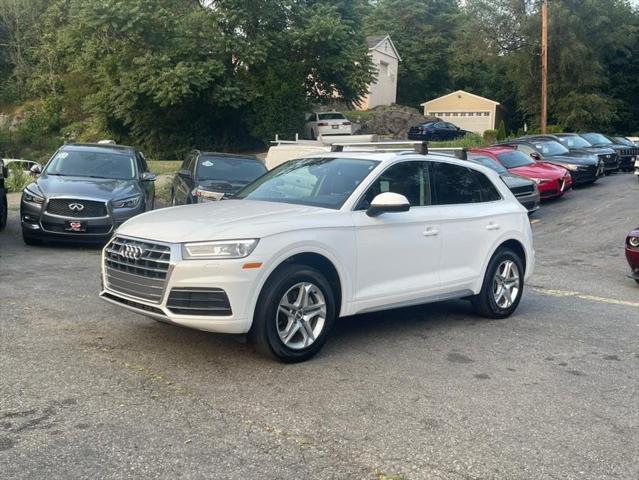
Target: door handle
430	232
492	226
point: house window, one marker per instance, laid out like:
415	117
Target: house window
486	114
471	114
462	114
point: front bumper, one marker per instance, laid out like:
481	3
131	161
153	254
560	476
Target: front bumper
632	255
555	188
237	284
38	223
530	201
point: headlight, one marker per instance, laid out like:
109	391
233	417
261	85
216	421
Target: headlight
30	196
571	166
540	180
130	202
633	242
221	249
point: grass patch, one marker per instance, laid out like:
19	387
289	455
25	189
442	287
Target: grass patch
163	191
164	167
469	141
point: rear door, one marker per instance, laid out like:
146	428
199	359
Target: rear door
397	253
183	180
469	205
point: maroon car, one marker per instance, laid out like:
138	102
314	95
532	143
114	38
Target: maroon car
632	253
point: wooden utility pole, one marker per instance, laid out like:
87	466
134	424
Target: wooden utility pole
544	65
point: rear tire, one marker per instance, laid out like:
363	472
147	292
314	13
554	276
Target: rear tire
286	326
4	208
503	285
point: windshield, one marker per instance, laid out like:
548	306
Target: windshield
331	116
624	141
94	164
229	169
574	141
550	148
596	138
320	182
515	159
489	162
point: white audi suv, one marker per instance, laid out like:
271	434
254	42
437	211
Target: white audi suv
334	234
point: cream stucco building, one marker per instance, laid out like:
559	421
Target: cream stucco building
467	111
383	91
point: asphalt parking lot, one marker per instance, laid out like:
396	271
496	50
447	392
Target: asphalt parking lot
88	390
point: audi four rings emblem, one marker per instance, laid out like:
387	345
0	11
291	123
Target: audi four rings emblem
76	207
132	251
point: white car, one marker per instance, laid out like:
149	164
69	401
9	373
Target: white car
335	234
327	123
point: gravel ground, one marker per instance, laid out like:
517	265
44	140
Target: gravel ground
88	390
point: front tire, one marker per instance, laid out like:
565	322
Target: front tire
295	313
503	286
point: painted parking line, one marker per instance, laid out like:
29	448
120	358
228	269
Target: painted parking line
535	221
583	296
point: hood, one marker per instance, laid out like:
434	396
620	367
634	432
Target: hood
574	157
90	188
221	186
594	150
541	170
513	181
228	220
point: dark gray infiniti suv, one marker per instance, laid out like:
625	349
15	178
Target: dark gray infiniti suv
84	192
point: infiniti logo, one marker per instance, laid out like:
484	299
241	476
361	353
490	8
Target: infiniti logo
76	207
132	251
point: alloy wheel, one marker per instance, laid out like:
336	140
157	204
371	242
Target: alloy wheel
301	315
506	284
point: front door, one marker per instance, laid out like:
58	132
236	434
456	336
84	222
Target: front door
397	253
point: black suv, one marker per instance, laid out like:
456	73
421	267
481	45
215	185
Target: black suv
210	176
626	153
4	206
84	192
578	144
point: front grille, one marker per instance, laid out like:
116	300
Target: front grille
81	208
199	301
523	191
609	159
142	276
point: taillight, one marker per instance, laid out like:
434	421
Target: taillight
322	124
346	123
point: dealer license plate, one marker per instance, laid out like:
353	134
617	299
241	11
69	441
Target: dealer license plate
74	226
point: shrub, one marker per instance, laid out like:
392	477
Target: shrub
502	133
17	180
490	136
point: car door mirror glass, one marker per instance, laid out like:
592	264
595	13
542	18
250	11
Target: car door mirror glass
148	177
37	169
388	202
184	173
536	156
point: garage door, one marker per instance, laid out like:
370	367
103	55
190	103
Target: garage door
477	122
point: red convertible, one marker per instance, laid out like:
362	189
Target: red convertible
552	180
632	253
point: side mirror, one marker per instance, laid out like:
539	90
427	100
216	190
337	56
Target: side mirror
184	173
36	169
388	202
535	156
148	177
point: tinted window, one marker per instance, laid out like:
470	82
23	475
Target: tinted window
624	141
515	159
187	160
550	148
229	169
574	141
596	138
331	116
488	162
410	179
455	184
322	182
96	164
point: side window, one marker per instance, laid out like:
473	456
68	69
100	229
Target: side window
140	163
192	162
410	179
455	184
187	160
145	166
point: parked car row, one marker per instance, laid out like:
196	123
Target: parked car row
290	250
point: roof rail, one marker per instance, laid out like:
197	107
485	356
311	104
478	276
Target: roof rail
459	152
391	146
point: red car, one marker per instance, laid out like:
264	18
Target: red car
553	181
632	253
